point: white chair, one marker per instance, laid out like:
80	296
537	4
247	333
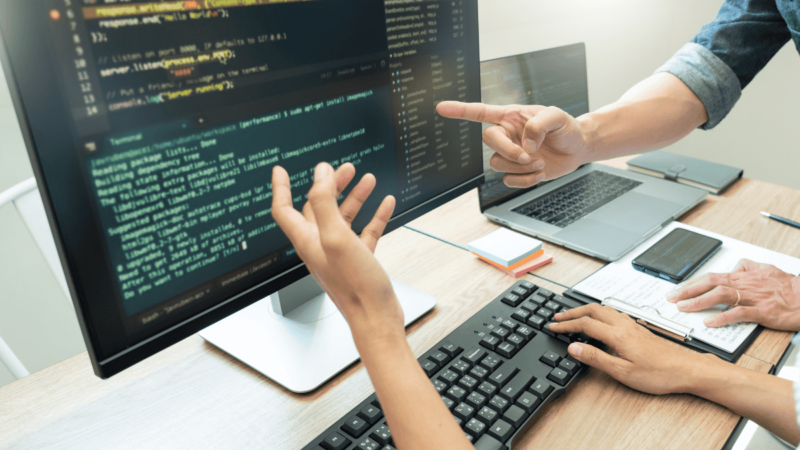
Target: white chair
26	199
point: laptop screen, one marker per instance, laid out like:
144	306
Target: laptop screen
552	77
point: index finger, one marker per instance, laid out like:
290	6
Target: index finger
289	219
475	112
604	314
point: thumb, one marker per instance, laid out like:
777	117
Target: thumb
594	357
546	121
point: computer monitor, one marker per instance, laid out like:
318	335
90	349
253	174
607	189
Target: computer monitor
153	127
552	77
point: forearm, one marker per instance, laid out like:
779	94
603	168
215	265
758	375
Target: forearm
765	399
657	112
414	410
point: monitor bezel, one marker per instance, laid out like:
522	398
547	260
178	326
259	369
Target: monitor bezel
15	16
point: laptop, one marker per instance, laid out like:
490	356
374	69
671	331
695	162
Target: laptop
597	210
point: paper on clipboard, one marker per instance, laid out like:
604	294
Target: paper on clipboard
621	281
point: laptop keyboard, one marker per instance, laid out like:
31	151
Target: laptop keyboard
576	200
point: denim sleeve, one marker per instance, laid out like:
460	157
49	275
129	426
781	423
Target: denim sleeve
728	53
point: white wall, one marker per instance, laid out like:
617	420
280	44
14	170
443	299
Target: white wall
626	40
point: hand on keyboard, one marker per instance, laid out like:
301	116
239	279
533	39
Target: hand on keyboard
532	143
644	361
340	261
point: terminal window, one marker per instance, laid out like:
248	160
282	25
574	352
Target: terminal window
182	109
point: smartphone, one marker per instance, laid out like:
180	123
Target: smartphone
677	255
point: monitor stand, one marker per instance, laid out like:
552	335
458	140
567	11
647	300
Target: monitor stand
297	337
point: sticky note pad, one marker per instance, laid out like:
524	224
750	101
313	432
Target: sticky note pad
521	270
505	247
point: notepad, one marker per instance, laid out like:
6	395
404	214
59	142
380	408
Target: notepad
619	280
505	247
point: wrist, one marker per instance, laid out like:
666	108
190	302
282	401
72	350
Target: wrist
590	137
704	374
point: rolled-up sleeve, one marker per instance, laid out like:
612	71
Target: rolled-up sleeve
708	77
728	53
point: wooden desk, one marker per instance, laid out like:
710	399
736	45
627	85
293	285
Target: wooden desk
194	396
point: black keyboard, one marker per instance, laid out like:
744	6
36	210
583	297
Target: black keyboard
576	200
496	372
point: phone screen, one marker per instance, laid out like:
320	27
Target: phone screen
677	255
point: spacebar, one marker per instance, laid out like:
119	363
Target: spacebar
598	205
487	442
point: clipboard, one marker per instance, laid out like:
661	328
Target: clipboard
667	328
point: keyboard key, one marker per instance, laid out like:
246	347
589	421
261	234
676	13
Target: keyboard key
501	430
460	367
457	394
527	285
382	434
464	412
528	402
491	363
487	415
474	356
517	340
541	389
429	367
476	400
475	427
547	330
536	321
509	325
499	404
506	349
369	444
537	299
515	416
512	300
490	342
569	365
439	358
521	315
440	386
355	426
545	293
458	421
469	437
559	376
502	375
566	338
468	383
501	332
449	377
376	403
452	350
526	332
545	313
487	442
487	389
560	300
479	373
449	403
516	386
529	306
552	306
388	447
335	441
550	358
371	414
520	291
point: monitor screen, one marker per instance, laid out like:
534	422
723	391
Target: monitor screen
154	127
552	77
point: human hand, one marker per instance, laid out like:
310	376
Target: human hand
767	295
342	263
643	361
532	143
